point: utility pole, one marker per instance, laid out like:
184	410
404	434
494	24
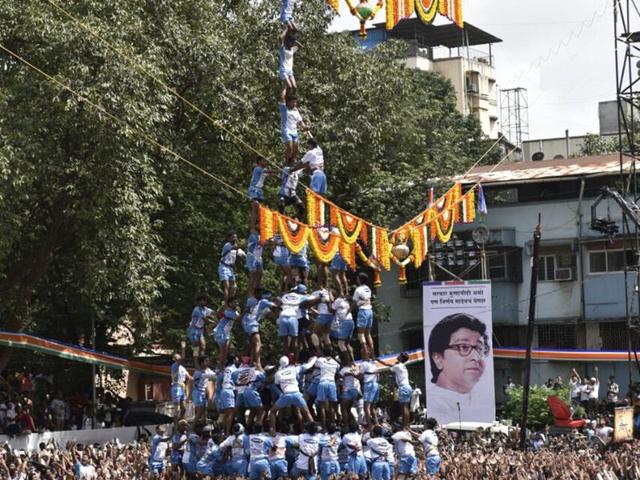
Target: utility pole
537	234
93	373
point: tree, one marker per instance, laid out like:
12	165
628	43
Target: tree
595	144
98	223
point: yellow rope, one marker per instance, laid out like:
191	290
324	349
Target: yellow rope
119	120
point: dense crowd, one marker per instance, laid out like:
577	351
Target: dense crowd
474	455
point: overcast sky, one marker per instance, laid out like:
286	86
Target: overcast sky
561	51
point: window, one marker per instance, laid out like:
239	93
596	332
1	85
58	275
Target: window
501	196
497	265
603	261
547	268
614	336
148	391
557	336
509	336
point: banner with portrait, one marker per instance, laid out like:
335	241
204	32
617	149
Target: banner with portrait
458	351
623	424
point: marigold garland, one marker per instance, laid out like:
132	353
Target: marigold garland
443	7
373	264
268	225
444	234
349	227
335	4
364	235
324	244
426	12
348	254
469	206
294	234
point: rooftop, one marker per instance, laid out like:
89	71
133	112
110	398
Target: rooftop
522	172
448	35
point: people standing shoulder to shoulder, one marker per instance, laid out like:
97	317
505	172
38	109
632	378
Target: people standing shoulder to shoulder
404	445
381	455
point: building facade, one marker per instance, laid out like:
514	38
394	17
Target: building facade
581	301
462	55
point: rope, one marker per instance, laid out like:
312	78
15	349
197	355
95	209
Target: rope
120	121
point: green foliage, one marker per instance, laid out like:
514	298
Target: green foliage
539	413
98	224
594	144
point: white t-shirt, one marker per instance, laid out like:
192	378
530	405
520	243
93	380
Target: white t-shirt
178	374
331	444
328	369
315	159
350	381
415	399
323	306
309	447
402	442
370	371
381	449
612	392
575	388
342	309
595	391
227	381
287	379
362	297
604	433
429	441
352	442
287	61
85	472
280	446
401	373
292	118
585	392
58	407
290	303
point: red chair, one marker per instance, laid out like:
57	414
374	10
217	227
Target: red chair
562	414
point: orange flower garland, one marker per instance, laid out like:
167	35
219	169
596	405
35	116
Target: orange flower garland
315	209
348	254
294	234
469	206
324	244
349	227
364	235
268	224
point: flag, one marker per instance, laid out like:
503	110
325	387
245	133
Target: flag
482	204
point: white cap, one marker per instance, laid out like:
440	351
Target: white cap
284	361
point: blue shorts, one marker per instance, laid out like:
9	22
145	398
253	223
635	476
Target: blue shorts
258	467
195	334
238	467
282	260
250	326
328	468
285	73
408	465
338	264
351	394
221	338
327	392
199	398
371	392
254	264
226	273
345	331
324	319
177	393
312	389
252	398
291	400
156	467
433	464
357	465
299	261
365	318
380	471
279	468
319	182
404	394
226	399
289	137
240	401
176	457
287	327
256	193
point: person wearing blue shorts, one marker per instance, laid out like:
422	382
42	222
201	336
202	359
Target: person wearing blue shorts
200	394
313	161
159	447
429	440
289	46
177	443
343	324
290	119
324	319
350	390
329	445
226	401
254	262
179	377
200	317
286	378
404	386
371	390
222	331
288	188
300	265
352	441
338	269
286	14
403	443
281	257
190	457
256	190
327	397
255	311
381	455
259	444
277	457
288	326
226	268
252	399
237	442
362	300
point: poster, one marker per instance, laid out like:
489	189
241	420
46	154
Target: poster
458	351
623	428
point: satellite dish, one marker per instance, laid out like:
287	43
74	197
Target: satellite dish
537	157
480	235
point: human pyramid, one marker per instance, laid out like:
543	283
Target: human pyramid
281	420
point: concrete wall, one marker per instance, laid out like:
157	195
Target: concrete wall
556	146
86	437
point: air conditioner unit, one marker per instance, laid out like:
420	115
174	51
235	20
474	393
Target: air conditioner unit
564	274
